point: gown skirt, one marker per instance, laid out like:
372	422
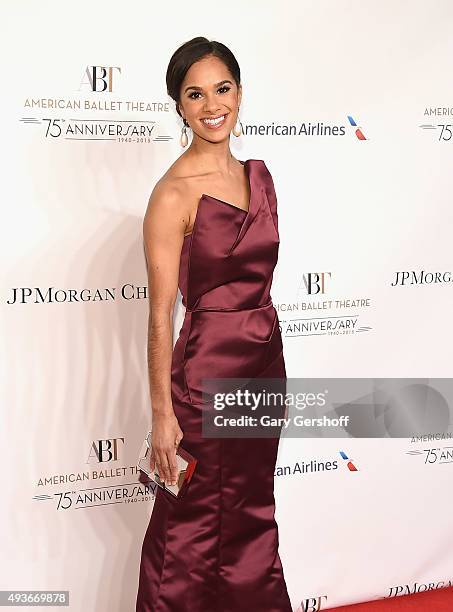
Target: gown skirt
216	548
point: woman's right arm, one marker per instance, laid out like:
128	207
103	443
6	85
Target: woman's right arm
163	233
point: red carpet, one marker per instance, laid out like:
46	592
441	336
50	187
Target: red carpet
438	600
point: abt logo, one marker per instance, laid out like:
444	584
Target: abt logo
311	604
102	451
99	78
315	282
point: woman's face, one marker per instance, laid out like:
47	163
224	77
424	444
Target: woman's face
210	99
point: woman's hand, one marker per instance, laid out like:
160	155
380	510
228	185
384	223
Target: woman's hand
165	438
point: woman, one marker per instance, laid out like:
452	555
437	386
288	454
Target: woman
211	229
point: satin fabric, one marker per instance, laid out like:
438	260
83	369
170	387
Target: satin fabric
216	549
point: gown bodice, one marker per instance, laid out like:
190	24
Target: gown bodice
230	326
227	262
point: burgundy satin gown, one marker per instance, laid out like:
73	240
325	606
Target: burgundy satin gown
216	549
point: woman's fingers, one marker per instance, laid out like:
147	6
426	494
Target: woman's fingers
152	460
173	466
163	465
165	441
167	466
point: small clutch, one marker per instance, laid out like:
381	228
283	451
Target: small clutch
185	465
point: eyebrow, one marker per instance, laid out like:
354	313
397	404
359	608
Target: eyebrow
201	88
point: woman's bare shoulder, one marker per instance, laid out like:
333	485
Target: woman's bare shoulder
175	186
169	203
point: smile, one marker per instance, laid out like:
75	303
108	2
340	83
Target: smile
215	122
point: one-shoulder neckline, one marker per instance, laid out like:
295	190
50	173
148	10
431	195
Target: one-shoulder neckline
247	173
211	197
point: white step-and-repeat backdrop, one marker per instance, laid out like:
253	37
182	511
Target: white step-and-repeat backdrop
350	103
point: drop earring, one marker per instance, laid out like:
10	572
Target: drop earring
184	138
237	131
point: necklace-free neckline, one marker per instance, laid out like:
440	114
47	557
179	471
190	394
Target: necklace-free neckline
215	199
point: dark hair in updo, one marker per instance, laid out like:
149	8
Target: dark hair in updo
189	53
